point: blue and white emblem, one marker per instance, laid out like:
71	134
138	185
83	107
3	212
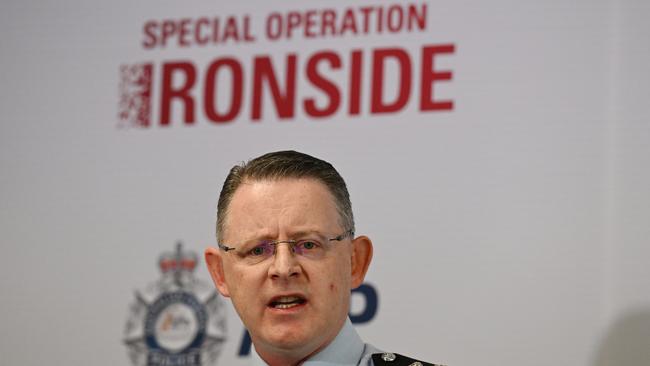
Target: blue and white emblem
178	320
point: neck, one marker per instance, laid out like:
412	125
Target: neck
275	358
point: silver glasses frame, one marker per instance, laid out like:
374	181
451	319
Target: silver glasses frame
291	242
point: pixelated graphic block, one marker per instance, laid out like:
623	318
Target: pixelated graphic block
135	94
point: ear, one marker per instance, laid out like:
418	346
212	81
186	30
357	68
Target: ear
361	258
215	265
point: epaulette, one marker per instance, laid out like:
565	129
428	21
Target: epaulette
394	359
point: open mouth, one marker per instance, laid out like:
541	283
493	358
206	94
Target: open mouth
286	302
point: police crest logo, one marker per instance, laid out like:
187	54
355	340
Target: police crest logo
177	320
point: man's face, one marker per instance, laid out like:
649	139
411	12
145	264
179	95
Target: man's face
284	210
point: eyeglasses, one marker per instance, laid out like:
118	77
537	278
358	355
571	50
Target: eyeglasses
312	246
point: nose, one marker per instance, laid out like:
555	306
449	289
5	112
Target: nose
284	263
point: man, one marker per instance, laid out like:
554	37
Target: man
288	258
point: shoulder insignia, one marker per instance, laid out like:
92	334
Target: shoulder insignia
394	359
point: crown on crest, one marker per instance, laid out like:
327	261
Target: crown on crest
178	260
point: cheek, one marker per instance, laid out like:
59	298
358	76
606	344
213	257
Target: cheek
243	282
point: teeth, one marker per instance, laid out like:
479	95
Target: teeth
286	302
287	299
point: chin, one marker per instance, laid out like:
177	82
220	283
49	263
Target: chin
286	334
290	337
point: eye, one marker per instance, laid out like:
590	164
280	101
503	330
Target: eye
309	248
309	244
259	250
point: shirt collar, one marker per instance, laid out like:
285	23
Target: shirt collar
345	349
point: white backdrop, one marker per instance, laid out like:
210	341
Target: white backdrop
510	230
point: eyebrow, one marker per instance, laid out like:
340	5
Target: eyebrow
292	235
305	232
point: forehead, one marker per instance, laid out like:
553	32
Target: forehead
280	207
